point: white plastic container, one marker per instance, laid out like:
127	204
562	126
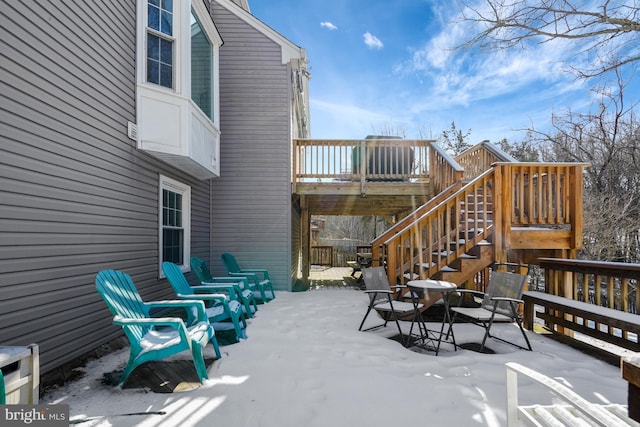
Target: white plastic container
21	369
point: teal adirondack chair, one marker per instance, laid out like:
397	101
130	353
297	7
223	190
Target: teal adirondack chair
155	338
258	278
220	308
240	285
3	396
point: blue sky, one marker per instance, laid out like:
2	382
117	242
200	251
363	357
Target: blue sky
378	65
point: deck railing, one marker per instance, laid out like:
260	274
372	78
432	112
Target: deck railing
546	195
607	284
480	157
509	195
446	181
360	160
444	170
432	241
380	240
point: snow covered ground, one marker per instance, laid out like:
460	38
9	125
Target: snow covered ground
306	364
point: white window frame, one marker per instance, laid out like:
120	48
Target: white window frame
181	50
184	190
213	51
210	30
170	125
162	36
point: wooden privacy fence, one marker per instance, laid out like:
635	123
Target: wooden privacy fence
339	256
322	255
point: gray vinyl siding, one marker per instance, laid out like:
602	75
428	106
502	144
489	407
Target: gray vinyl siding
76	196
201	202
252	208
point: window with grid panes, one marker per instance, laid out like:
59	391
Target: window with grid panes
175	201
160	42
177	53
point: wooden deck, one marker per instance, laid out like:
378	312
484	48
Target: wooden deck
379	176
382	199
322	277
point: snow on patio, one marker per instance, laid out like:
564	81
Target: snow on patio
306	364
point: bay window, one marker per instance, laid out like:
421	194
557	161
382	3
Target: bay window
177	85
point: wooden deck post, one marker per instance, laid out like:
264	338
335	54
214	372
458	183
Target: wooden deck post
500	252
305	238
631	372
364	158
576	192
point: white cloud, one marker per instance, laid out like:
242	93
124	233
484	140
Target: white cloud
372	41
496	93
328	25
469	75
441	48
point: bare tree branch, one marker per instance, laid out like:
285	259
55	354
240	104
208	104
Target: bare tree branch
609	33
609	140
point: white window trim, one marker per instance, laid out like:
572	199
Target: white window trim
201	12
178	46
170	125
170	184
182	49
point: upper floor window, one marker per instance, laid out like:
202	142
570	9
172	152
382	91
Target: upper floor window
168	64
160	42
202	82
177	108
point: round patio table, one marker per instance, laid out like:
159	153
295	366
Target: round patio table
417	288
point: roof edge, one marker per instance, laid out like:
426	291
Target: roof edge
289	49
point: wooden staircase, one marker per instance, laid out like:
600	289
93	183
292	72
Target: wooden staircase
464	268
479	208
510	212
449	238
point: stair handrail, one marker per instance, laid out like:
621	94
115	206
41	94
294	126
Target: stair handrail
397	268
407	220
444	201
475	161
446	178
443	169
480	157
